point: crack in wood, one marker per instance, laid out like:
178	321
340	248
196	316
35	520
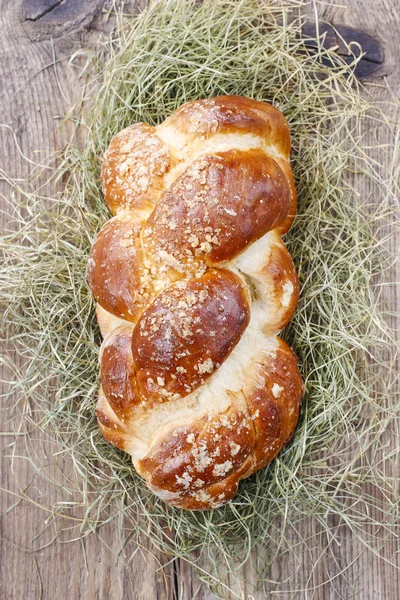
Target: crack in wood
175	585
348	43
44	11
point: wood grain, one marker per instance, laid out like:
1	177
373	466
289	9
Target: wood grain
38	37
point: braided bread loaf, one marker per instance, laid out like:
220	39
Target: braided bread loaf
193	283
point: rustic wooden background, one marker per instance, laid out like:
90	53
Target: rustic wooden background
37	85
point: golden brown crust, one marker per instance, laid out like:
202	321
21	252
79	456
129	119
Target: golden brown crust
193	464
279	278
133	169
114	430
281	281
188	332
221	204
274	403
193	283
117	372
269	271
232	114
190	461
117	276
284	227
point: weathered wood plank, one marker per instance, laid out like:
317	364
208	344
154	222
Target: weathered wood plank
37	86
38	37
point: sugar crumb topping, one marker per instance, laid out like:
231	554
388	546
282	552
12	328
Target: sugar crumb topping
222	469
206	367
277	390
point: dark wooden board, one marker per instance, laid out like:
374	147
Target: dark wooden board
37	85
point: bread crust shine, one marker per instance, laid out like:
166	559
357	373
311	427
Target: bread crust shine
193	284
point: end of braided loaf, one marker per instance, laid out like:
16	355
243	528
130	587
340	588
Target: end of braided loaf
193	284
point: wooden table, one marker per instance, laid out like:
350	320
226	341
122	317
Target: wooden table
37	85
